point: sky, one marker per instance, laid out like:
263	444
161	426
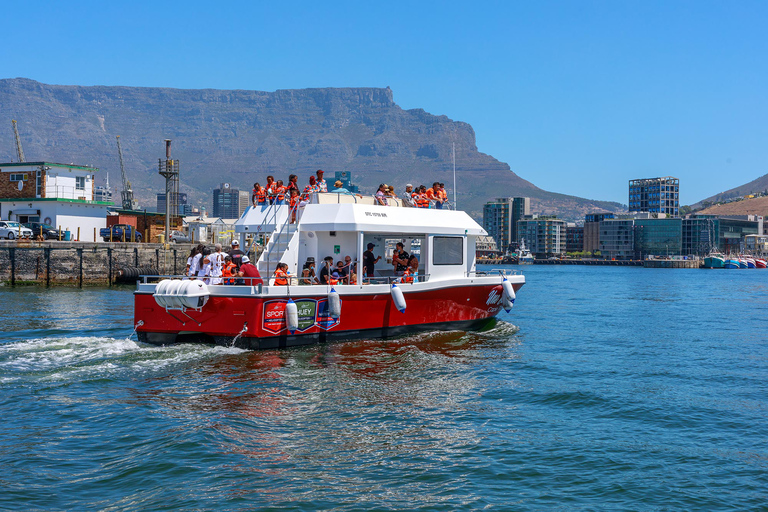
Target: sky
578	97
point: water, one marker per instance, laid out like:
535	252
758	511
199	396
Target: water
604	389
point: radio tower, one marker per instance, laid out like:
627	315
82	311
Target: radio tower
169	169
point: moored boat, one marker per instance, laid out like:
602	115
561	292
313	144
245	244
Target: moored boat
760	263
445	291
732	263
750	261
714	260
525	257
742	263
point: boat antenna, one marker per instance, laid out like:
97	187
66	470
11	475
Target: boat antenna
453	153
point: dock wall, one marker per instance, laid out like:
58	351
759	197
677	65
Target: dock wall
83	263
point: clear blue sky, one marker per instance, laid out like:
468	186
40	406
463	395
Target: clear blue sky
576	96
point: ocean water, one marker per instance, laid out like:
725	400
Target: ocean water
604	389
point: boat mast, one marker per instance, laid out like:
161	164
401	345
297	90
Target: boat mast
453	153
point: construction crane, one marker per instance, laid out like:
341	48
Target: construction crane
19	149
127	192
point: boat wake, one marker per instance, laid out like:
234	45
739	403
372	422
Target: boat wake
59	358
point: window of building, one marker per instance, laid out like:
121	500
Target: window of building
80	182
18	177
448	250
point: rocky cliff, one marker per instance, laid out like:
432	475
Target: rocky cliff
241	136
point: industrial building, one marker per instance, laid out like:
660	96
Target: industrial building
655	195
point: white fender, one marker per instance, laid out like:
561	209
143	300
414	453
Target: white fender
397	298
509	291
160	292
190	293
291	316
171	294
507	303
334	304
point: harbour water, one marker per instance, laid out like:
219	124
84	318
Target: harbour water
606	388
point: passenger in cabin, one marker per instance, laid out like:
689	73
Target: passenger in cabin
294	203
400	258
369	261
322	186
352	278
381	195
249	272
412	271
407	198
325	272
310	265
342	271
281	274
349	267
334	279
305	278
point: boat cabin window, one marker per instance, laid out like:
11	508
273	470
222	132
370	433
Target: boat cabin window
448	250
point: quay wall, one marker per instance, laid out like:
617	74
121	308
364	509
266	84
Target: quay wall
83	263
673	263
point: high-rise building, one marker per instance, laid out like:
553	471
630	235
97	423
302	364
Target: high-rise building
655	195
574	238
229	202
544	237
592	230
617	238
500	219
181	201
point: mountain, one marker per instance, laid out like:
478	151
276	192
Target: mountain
240	136
759	185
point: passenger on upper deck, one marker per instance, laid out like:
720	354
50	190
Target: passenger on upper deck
270	188
280	191
443	193
259	195
321	184
294	203
433	194
381	195
309	190
340	188
292	184
407	198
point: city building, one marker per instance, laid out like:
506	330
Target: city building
345	178
181	202
500	218
103	193
701	235
658	237
756	245
60	195
574	238
229	202
485	247
592	230
544	237
655	195
617	238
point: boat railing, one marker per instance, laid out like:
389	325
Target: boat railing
493	272
396	279
255	282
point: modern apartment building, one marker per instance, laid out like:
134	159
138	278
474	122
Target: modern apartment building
500	219
655	195
592	230
617	238
574	238
543	237
229	202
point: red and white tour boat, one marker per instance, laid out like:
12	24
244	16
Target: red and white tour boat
447	293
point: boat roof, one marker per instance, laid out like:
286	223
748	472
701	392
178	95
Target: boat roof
374	219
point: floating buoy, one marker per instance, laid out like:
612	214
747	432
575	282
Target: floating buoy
509	291
397	298
507	303
292	316
334	304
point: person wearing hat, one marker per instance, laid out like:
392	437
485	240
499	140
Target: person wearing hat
322	185
340	188
236	253
248	270
408	197
369	261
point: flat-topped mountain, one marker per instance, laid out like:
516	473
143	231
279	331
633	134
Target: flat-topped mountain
240	136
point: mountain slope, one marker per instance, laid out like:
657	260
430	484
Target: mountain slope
757	185
241	136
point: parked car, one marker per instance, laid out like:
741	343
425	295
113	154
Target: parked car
178	236
49	232
115	233
10	230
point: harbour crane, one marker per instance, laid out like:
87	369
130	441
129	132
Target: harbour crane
127	193
19	149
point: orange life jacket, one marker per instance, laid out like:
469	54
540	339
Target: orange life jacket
443	194
295	202
421	200
280	192
407	276
228	272
431	193
332	280
281	278
261	195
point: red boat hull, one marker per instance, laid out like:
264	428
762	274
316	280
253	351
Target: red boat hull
262	322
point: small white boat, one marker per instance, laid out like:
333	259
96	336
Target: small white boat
525	257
